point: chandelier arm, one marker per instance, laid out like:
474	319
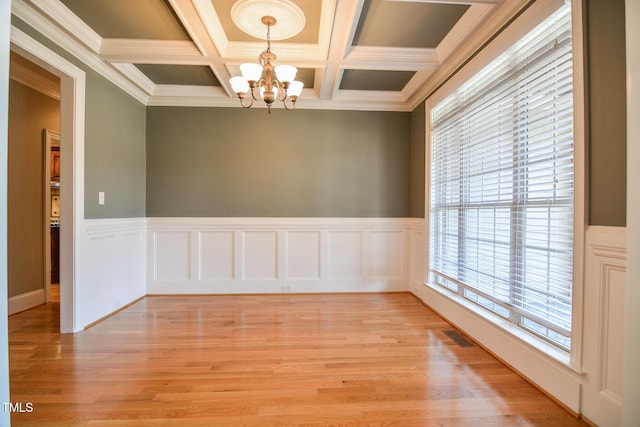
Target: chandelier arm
257	85
293	104
282	92
248	105
253	94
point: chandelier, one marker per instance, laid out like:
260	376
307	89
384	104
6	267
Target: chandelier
282	87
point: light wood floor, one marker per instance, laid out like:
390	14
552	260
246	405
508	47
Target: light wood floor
348	360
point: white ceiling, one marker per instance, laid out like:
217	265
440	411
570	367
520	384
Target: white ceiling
385	55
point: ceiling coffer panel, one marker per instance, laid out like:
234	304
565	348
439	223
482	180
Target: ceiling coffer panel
375	80
193	75
306	76
405	23
129	19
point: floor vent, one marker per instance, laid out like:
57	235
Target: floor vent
458	338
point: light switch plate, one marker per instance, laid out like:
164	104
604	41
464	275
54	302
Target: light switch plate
101	197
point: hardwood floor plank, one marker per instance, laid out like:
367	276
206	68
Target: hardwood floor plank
265	360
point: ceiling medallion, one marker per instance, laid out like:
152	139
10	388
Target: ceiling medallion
247	15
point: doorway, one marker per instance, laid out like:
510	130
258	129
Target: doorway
34	105
72	108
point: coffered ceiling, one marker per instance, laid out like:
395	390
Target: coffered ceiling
350	54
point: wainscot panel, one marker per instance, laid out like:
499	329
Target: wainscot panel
113	271
417	253
605	277
275	255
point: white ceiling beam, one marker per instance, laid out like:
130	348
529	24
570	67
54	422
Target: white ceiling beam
196	17
327	14
209	19
471	19
345	22
192	22
151	51
288	53
391	58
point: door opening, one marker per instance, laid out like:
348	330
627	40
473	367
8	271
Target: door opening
72	123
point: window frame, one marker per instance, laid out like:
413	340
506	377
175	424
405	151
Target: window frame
527	20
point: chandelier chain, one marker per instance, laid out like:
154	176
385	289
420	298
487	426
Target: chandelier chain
269	38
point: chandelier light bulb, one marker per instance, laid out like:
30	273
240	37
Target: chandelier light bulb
286	73
295	88
239	84
251	71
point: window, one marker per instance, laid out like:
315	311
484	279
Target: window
501	215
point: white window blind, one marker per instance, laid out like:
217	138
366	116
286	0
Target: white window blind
501	218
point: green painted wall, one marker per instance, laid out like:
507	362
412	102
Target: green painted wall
607	130
115	150
231	162
418	136
114	142
29	113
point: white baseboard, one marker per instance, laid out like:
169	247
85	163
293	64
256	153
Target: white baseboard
25	301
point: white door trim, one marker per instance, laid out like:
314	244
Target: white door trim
72	108
631	391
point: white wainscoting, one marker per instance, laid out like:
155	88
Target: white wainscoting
417	253
113	270
275	255
605	277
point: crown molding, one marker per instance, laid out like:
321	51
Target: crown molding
137	76
34	19
472	18
189	91
307	101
